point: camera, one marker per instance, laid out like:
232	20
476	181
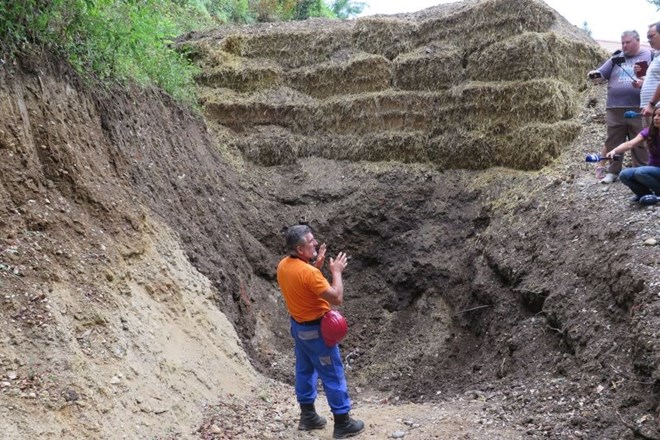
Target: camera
618	60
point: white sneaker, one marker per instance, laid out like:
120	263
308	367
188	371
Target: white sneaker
609	178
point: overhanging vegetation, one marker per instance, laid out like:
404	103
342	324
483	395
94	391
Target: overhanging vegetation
132	40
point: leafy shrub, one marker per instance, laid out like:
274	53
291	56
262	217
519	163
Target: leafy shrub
133	39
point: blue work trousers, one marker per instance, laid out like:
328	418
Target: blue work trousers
314	359
642	180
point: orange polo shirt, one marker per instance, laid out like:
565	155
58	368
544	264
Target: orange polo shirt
301	285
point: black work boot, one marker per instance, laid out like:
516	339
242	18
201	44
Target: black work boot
309	419
346	427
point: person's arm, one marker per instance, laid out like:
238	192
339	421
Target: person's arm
603	72
637	140
335	293
596	77
647	110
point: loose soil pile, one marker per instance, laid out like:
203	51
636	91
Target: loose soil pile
138	243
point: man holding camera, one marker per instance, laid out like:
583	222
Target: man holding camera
623	94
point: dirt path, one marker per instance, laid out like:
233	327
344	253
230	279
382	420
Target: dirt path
274	414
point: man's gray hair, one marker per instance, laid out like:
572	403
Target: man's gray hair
295	235
656	25
633	34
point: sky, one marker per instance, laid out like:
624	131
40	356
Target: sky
605	19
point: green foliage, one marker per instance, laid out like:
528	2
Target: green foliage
285	10
347	8
311	8
20	21
119	40
224	11
133	39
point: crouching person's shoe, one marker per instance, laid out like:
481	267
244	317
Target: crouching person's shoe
648	200
346	427
309	419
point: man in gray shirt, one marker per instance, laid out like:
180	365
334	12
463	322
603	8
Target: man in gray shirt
623	94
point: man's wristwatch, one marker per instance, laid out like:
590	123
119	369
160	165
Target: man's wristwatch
652	103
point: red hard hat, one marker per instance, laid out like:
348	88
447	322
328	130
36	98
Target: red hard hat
333	328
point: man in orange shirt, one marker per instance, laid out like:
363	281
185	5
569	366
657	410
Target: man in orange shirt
308	297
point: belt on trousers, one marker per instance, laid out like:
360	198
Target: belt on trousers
315	322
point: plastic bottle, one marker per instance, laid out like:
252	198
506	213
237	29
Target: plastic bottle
594	157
